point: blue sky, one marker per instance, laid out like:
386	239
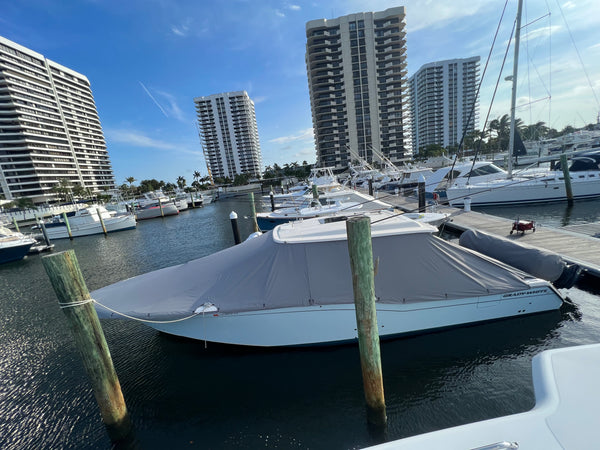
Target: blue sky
147	59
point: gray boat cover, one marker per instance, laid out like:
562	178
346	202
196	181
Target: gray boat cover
263	274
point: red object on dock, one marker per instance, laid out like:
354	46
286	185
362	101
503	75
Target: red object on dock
522	226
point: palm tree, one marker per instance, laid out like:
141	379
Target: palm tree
196	175
181	182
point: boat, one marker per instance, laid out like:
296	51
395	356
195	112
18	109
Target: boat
86	221
154	204
13	245
565	416
530	187
543	186
293	287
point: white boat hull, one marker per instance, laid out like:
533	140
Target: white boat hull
168	209
331	324
118	223
532	191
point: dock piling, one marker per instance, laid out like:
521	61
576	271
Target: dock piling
16	224
421	191
162	213
272	200
253	206
234	226
360	249
64	216
565	168
42	226
370	186
74	298
101	222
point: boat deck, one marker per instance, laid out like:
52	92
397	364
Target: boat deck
575	243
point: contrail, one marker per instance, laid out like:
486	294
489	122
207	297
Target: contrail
153	99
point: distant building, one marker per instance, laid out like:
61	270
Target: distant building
356	68
442	95
229	135
49	128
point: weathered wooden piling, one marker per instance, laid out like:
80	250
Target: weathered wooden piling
66	220
253	206
101	222
272	196
421	192
192	199
315	191
370	186
162	213
16	224
234	226
74	298
565	168
42	225
360	248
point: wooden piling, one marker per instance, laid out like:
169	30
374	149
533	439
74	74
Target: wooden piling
253	206
101	222
16	224
234	226
66	220
361	263
73	295
192	199
162	213
421	192
42	226
272	200
565	168
370	186
315	191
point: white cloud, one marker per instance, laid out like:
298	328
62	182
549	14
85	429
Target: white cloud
139	139
294	7
301	136
279	13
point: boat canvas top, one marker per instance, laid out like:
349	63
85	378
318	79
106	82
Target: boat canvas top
298	266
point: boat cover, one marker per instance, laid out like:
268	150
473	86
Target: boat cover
263	274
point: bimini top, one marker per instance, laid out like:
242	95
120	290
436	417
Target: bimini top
269	272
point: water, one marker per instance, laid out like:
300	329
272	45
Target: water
181	394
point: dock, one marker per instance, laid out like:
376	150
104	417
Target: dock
576	244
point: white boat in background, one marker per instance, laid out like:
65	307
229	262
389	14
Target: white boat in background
86	221
567	394
293	286
154	204
310	209
533	186
13	245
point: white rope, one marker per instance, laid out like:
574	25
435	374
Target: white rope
73	304
143	320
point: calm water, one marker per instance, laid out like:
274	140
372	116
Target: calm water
183	395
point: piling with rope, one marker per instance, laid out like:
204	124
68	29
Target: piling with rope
66	220
358	229
75	301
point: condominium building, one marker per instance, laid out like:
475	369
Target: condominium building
49	128
444	102
356	68
229	135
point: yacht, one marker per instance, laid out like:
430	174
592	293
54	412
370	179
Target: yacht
13	245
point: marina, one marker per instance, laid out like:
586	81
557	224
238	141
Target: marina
181	392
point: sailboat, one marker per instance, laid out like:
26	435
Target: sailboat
535	186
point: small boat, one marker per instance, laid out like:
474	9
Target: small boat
86	221
154	204
293	286
13	245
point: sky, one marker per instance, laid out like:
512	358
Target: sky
148	59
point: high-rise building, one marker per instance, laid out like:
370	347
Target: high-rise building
49	128
356	68
229	135
444	102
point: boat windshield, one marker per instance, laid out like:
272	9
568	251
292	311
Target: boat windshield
483	170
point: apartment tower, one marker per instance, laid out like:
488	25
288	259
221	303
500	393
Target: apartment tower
49	128
356	68
444	102
229	135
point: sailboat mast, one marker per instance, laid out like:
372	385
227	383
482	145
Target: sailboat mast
513	99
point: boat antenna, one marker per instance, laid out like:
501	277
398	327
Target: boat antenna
513	98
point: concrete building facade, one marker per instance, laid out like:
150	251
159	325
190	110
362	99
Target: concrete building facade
356	68
443	102
49	128
229	134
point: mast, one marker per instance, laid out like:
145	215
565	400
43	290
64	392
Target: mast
513	99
